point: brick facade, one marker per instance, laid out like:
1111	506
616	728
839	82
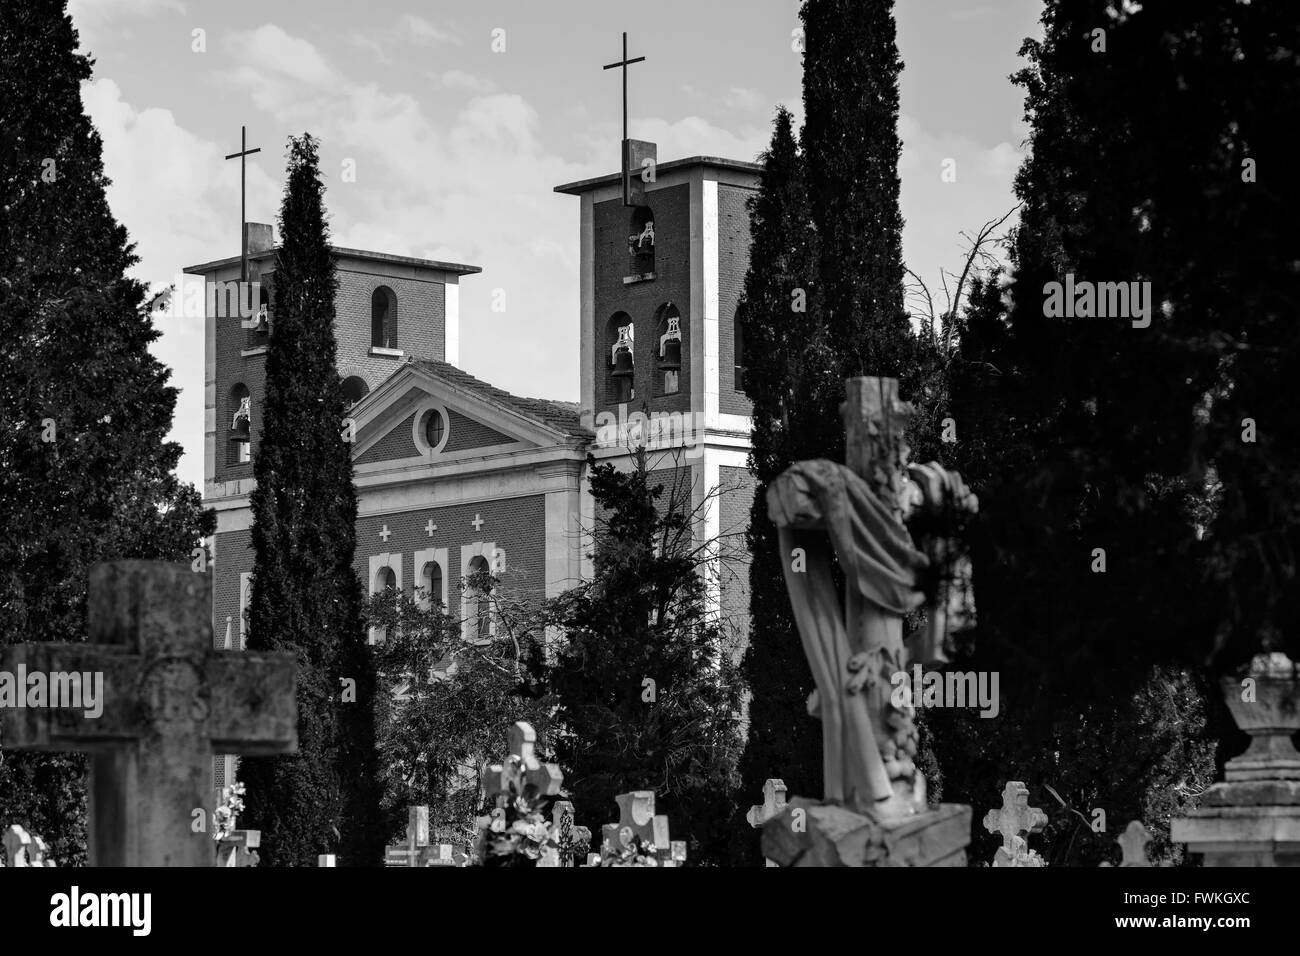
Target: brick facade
641	302
465	434
733	263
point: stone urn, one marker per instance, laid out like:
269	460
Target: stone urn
1252	817
1271	718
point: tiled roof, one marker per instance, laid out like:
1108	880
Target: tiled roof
562	416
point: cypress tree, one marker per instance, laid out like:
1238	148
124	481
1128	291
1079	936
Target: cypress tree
789	382
851	149
86	473
306	595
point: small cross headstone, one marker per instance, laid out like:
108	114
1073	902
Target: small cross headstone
24	849
413	852
1014	817
774	792
239	848
477	522
325	859
1133	844
170	701
385	534
569	839
522	769
430	528
638	821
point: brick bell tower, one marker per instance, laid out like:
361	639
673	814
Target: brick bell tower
664	248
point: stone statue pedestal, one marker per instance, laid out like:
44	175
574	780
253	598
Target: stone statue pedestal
809	833
1252	817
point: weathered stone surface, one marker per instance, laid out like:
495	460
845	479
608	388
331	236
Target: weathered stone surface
1253	793
169	701
809	833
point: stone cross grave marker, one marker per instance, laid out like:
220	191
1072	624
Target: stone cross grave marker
1133	844
637	819
413	852
855	512
774	792
521	768
1014	817
239	848
570	839
325	859
170	702
24	849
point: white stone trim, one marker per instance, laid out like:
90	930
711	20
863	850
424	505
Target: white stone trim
209	397
391	559
386	352
710	295
245	601
439	557
425	406
451	321
587	300
563	541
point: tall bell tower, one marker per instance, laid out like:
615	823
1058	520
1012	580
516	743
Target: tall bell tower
662	358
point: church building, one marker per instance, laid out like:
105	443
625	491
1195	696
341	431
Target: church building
454	475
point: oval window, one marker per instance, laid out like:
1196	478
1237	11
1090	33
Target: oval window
434	428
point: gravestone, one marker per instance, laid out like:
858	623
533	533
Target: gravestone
1133	844
773	803
1014	817
1252	816
415	849
874	810
521	769
239	848
571	840
639	822
326	859
24	849
518	789
170	702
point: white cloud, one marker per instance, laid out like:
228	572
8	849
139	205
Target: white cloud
460	80
422	31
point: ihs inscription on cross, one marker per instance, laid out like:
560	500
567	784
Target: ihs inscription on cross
169	702
635	152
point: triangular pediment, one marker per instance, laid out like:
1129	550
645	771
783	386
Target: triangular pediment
392	423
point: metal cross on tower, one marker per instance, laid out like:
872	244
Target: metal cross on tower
242	155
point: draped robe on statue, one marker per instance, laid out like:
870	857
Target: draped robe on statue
813	501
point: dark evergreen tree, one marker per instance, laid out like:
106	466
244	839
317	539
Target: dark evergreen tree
1149	128
306	595
790	379
851	150
86	474
646	697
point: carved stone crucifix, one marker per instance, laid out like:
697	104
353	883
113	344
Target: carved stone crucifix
869	745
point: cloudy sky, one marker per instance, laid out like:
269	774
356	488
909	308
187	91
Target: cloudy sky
457	147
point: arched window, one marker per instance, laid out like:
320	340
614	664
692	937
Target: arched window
622	364
669	348
738	352
239	450
386	580
355	389
383	318
641	242
431	583
478	601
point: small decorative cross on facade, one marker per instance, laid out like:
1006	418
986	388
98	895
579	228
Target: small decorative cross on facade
477	522
385	534
1133	844
430	528
774	792
1014	817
